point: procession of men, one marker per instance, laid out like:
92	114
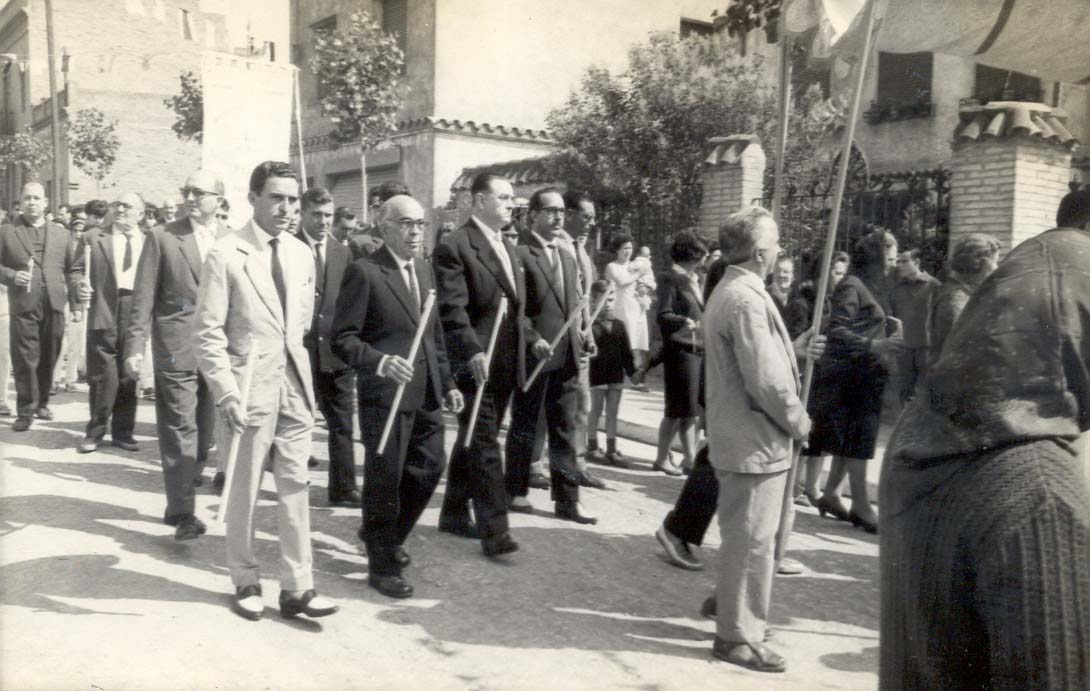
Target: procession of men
250	333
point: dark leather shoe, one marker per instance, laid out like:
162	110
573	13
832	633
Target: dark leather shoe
248	604
569	511
88	445
198	480
500	546
352	499
520	505
539	481
43	413
402	557
588	480
21	424
125	444
462	527
391	586
218	481
291	607
312	462
5	411
189	528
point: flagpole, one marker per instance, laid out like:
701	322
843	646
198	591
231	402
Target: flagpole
827	257
781	125
299	129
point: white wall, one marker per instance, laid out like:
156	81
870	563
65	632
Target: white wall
454	152
525	57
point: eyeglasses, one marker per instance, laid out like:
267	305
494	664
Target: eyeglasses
195	191
409	224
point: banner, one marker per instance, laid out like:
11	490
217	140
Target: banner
247	120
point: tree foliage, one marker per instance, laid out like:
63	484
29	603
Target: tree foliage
188	107
26	151
742	16
93	142
359	69
643	134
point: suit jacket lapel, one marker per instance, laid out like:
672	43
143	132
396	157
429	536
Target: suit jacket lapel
541	256
22	234
781	330
394	278
491	261
187	245
257	269
105	245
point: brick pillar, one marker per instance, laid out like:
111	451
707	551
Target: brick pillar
733	177
1011	166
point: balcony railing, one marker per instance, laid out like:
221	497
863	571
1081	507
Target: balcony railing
41	114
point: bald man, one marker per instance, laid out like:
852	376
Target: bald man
378	312
163	310
114	249
41	271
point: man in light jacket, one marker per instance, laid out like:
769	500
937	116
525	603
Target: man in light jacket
754	420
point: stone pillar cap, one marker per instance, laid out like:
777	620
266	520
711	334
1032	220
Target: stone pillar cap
1004	119
729	150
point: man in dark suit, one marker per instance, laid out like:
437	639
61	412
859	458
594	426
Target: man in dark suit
551	296
41	272
115	250
163	309
333	379
475	266
377	315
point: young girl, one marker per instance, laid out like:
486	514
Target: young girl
607	370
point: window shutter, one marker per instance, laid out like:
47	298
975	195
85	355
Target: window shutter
904	78
395	20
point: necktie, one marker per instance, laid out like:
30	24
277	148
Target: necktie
554	258
414	289
126	262
278	275
505	260
319	266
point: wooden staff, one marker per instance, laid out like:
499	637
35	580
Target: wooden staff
87	264
30	270
236	437
501	312
428	304
826	264
578	312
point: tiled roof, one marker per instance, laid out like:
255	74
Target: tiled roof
729	149
1002	119
474	127
525	171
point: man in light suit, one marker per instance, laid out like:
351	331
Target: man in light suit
114	250
378	313
333	378
551	297
163	310
475	266
754	420
36	299
254	305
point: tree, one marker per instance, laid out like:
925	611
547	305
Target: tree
742	16
26	151
188	107
93	143
643	134
359	70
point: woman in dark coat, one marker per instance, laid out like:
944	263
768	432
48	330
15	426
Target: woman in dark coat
846	404
680	309
985	547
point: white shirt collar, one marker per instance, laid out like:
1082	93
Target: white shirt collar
493	235
402	264
197	227
312	242
262	237
543	241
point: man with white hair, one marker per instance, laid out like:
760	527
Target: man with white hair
41	272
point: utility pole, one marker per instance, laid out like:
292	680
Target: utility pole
54	107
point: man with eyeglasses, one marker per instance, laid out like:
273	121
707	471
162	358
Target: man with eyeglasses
41	272
378	313
475	267
163	312
551	297
114	250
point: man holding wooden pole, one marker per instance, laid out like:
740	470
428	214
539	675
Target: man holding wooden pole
255	301
382	310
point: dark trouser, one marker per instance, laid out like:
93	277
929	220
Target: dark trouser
35	344
697	502
558	393
913	368
112	393
398	483
185	420
334	393
477	472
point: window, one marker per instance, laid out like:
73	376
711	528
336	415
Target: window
323	28
184	25
993	84
395	20
904	88
690	27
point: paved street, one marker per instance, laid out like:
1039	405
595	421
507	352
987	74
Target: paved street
96	594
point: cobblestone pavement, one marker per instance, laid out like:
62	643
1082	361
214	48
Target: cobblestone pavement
96	594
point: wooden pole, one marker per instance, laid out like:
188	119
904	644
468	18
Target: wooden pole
781	125
501	312
556	339
420	328
827	258
236	437
299	129
54	108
